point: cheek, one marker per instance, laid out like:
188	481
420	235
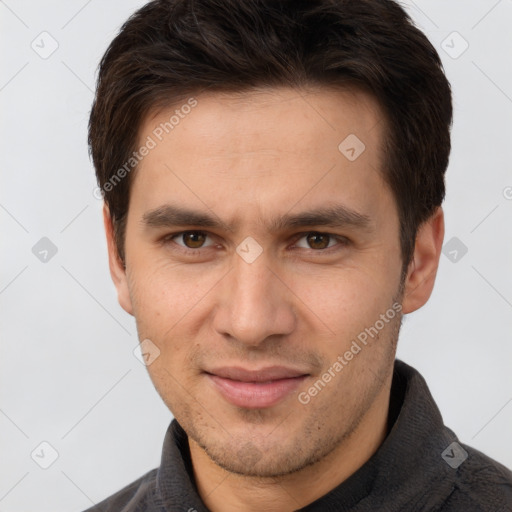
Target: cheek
171	305
166	292
344	301
166	305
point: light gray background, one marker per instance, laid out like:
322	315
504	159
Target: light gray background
68	373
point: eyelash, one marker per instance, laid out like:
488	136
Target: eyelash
342	242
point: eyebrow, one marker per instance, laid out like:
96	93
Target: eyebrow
334	216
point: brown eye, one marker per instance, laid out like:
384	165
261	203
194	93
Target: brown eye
318	240
193	239
189	242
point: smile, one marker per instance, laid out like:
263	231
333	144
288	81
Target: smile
255	389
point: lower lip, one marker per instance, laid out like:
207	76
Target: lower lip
255	395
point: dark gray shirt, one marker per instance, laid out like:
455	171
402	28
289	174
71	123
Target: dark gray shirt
420	466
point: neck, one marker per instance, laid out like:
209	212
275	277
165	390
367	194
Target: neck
222	491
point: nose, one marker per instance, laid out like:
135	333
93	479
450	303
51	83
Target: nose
254	305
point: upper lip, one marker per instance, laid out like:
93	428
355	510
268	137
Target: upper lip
260	375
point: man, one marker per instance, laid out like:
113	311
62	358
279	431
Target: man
273	173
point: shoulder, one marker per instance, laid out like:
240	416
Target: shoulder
135	497
480	484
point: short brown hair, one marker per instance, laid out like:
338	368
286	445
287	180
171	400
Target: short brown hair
171	49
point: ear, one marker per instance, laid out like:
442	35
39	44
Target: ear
117	268
421	273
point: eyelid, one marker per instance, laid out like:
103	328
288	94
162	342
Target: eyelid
172	236
342	240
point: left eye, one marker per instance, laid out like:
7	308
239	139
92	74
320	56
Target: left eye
191	239
317	241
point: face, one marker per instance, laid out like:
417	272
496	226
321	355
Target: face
257	253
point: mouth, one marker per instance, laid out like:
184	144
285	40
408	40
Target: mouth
255	389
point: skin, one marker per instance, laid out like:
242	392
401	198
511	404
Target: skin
247	159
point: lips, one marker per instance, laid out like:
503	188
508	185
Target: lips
255	389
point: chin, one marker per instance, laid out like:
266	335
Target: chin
267	456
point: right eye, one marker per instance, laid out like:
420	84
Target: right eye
190	239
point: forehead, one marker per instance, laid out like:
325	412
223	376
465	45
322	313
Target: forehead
264	150
245	120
